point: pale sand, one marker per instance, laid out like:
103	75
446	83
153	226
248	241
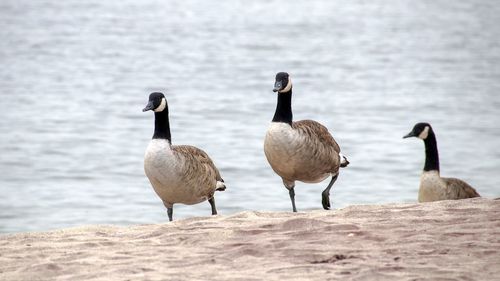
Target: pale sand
449	240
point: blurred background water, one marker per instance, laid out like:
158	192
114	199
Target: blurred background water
75	75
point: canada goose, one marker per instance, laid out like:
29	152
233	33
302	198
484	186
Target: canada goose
178	173
432	186
303	150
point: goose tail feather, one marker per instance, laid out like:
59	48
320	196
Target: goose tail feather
220	186
343	161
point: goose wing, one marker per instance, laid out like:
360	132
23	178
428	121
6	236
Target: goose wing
319	145
460	188
195	157
317	132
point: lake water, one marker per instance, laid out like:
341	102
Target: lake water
75	75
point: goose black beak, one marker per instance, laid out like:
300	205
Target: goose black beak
277	86
150	106
409	135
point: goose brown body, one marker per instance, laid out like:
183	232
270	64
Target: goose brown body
434	188
303	151
180	173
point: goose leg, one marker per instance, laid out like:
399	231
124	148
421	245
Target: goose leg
212	204
325	195
170	210
290	185
291	192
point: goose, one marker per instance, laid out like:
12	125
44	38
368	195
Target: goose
432	186
300	151
178	173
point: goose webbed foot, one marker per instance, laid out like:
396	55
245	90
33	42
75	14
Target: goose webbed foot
325	195
212	204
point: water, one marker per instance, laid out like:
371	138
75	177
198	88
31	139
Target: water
76	74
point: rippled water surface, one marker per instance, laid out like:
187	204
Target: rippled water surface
75	75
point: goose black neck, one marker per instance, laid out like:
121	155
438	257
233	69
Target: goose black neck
284	108
162	126
431	153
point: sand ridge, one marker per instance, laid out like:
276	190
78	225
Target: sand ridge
447	240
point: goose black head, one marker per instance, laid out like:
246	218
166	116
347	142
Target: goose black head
420	130
283	83
157	102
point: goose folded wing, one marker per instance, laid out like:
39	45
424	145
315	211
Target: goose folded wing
196	155
315	130
461	188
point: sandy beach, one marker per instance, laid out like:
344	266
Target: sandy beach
448	240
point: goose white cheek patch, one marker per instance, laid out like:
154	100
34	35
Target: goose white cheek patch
288	86
423	135
162	106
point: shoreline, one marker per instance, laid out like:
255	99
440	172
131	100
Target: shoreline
447	239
